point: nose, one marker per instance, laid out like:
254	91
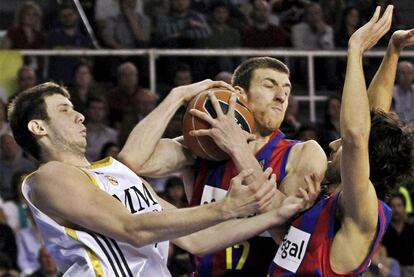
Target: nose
334	145
80	118
280	95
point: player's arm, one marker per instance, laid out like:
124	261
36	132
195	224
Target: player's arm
381	88
358	200
67	195
145	152
231	232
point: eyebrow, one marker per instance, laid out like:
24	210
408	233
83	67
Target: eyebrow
274	82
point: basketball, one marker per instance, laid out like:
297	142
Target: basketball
204	146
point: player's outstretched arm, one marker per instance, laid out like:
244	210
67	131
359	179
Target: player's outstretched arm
359	198
358	202
381	88
82	205
145	152
223	235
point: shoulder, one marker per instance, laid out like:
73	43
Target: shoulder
308	154
51	172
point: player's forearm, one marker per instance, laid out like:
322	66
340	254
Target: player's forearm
381	88
355	117
226	234
144	229
145	137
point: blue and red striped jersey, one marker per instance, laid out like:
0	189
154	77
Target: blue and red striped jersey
212	180
306	247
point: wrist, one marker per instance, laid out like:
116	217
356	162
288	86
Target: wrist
176	96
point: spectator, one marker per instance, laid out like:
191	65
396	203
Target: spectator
26	34
307	132
404	91
181	27
261	33
329	129
128	29
382	265
15	208
350	22
291	123
4	125
105	9
8	248
26	78
84	87
97	132
66	36
48	267
120	98
315	34
28	245
399	237
331	11
224	76
222	36
11	161
182	76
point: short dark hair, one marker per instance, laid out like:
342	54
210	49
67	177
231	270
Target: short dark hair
243	73
30	104
391	159
400	196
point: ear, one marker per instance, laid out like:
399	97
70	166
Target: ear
241	91
36	126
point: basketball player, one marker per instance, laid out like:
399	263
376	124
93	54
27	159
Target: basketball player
101	219
340	234
265	84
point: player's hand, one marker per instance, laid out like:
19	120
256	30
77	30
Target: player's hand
242	201
370	33
402	38
303	200
224	130
186	93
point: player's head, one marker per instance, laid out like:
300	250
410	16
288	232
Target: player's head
391	158
266	83
43	116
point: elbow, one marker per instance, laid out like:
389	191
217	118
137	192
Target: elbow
355	138
135	238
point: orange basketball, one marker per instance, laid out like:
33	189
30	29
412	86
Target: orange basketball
204	146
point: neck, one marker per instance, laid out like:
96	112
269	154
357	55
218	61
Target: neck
261	139
66	157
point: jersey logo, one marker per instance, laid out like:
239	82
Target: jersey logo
112	180
212	194
292	250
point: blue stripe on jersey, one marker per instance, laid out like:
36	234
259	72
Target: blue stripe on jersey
310	218
266	153
205	267
215	177
284	162
382	226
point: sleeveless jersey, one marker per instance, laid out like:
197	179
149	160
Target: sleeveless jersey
305	249
87	253
212	180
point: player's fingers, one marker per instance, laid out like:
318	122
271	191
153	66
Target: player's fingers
216	104
232	104
203	116
200	133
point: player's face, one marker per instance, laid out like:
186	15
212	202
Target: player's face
65	126
268	97
333	173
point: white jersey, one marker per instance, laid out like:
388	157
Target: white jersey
86	253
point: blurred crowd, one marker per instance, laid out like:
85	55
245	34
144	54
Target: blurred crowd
113	93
